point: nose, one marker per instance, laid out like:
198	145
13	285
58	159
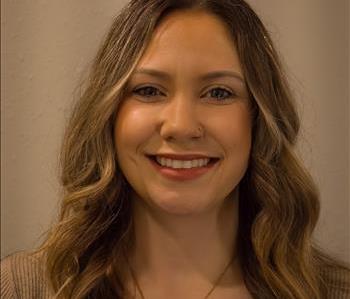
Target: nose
180	120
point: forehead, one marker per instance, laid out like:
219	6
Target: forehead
191	38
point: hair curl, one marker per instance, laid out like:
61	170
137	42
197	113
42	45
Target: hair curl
279	203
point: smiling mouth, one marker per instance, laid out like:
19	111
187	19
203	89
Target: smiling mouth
211	160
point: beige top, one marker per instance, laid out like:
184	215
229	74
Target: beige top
22	276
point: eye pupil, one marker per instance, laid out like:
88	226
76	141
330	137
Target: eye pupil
219	93
148	91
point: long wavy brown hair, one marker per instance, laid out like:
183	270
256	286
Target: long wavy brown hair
84	250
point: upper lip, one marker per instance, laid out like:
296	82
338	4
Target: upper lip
189	156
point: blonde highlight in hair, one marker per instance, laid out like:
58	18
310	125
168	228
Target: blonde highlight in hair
279	202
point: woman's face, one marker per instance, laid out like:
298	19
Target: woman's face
187	96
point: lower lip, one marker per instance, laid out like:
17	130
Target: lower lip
182	174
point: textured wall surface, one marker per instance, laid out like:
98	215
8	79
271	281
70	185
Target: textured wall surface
47	46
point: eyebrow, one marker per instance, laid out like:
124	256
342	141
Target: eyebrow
207	76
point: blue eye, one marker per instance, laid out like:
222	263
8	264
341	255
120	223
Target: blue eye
148	91
220	93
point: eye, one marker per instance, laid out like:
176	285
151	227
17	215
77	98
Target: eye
148	91
220	93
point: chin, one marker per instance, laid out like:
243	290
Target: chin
184	207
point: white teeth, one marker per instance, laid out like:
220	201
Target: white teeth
182	164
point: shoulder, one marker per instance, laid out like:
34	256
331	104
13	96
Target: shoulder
336	279
23	276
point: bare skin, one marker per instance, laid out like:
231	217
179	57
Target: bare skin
185	233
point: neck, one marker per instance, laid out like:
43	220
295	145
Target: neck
186	248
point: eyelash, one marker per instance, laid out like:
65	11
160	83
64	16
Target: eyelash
230	95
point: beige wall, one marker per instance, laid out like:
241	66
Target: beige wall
46	45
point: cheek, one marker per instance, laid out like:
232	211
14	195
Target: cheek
133	128
236	140
240	135
233	131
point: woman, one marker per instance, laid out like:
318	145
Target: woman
179	170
